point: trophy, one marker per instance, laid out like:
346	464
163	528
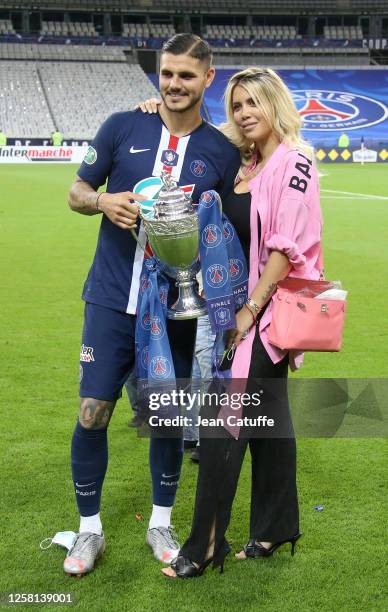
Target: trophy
172	230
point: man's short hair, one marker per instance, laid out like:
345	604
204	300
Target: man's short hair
189	44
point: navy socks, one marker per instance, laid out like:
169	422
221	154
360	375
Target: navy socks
166	455
89	461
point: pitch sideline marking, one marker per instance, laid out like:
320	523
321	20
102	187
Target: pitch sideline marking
352	193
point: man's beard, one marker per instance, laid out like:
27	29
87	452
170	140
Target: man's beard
193	102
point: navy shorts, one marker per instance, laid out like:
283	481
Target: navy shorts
108	350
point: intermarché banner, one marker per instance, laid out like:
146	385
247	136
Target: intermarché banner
41	155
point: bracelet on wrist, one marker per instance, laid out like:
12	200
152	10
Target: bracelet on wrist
98	197
251	312
253	307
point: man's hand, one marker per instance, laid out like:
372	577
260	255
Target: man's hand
149	106
119	209
244	322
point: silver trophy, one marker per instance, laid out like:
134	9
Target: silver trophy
172	230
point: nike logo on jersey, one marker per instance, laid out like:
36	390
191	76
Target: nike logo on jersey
170	475
132	150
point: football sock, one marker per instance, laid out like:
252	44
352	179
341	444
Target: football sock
166	455
89	461
90	523
160	517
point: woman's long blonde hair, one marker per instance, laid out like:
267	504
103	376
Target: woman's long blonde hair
269	92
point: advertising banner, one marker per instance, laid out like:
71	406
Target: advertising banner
41	155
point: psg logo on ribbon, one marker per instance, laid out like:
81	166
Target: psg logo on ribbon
163	293
144	284
222	316
149	263
157	327
216	276
160	367
235	268
207	199
144	357
170	158
198	168
240	300
325	110
146	321
211	236
228	231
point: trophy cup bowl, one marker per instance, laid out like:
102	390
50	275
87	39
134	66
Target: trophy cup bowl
172	231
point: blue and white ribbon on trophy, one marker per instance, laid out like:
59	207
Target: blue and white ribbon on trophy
223	265
225	281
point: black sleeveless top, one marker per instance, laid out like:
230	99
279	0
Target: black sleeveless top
237	207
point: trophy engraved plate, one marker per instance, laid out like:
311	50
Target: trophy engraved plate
172	231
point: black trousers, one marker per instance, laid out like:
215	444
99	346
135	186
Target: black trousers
274	504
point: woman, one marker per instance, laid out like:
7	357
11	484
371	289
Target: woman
275	211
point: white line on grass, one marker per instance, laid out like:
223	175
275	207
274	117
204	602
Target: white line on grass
369	196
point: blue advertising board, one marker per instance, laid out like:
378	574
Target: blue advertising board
330	103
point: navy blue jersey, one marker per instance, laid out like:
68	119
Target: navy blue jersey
130	150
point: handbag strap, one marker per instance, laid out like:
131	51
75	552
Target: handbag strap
320	263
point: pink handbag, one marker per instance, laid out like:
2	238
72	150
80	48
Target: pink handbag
302	322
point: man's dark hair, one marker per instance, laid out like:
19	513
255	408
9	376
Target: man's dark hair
190	44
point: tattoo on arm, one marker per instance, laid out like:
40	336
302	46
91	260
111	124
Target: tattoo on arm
268	292
82	198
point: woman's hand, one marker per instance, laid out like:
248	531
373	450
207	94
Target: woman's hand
244	322
149	106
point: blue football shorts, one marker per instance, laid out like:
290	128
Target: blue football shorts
108	350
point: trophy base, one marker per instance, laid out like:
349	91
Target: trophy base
189	304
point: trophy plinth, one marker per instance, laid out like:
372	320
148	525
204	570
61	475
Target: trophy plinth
172	230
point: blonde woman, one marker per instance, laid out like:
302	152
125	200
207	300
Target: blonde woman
275	210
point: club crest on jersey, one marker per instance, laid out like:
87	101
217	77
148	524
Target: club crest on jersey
228	231
325	110
235	268
211	236
163	293
207	199
90	156
216	275
157	327
222	316
198	168
86	354
160	367
144	357
169	157
146	321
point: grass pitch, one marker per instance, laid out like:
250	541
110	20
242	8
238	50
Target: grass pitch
340	564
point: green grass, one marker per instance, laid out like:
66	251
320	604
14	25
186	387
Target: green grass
341	561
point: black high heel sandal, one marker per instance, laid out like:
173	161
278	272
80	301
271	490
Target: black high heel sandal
255	550
185	568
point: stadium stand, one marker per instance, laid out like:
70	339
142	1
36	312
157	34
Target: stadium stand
6	27
38	94
341	32
23	105
119	87
282	32
68	28
62	52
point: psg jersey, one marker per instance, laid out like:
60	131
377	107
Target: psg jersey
130	151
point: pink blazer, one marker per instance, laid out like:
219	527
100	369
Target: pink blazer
285	195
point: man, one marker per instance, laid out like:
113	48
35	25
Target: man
131	147
56	138
3	138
